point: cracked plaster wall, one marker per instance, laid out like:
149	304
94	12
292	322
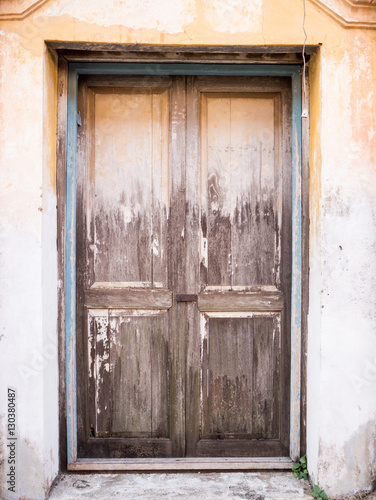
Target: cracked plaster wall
342	315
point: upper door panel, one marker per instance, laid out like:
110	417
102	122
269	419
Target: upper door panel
241	188
128	187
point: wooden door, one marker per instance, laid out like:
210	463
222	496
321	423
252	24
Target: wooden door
183	267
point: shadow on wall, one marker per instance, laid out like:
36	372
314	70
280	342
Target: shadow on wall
357	459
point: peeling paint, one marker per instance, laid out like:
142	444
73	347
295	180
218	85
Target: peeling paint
342	205
134	14
233	16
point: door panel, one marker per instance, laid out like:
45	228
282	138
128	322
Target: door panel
123	294
184	190
245	202
240	188
241	400
127	372
128	187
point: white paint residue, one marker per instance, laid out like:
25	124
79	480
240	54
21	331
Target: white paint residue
94	249
101	329
214	206
203	327
127	214
234	16
91	343
155	247
170	16
204	251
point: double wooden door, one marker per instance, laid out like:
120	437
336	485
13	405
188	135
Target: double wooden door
183	266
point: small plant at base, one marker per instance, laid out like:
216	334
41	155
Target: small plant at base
319	493
299	469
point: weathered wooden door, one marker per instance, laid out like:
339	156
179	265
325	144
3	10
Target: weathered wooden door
183	266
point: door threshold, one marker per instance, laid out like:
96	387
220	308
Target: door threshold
181	464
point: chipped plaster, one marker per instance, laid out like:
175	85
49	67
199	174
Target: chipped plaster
341	339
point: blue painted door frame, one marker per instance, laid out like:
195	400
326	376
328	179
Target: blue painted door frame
77	69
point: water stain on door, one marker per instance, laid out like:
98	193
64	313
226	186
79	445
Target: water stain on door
183	267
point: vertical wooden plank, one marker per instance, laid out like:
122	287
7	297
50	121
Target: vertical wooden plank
202	126
192	189
296	290
83	425
92	373
280	393
103	382
61	164
267	209
178	313
265	408
245	168
159	376
88	191
216	137
305	266
192	285
285	238
99	377
282	169
160	188
70	253
204	374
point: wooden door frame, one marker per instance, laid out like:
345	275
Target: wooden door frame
66	173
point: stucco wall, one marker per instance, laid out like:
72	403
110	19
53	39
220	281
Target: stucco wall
342	365
341	416
28	262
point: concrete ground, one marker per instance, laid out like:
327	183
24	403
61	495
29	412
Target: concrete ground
196	486
200	486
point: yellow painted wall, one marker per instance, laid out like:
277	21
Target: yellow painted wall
342	316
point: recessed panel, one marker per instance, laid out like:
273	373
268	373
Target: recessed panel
241	382
240	189
128	373
128	187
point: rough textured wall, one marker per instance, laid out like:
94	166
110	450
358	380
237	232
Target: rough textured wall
28	294
342	342
346	239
